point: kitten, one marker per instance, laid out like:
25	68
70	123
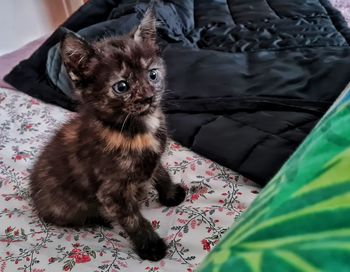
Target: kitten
98	164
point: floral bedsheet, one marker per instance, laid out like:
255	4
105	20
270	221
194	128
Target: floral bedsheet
216	197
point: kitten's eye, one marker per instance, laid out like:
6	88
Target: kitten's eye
153	74
121	87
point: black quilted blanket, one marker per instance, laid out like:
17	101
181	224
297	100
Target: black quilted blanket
248	79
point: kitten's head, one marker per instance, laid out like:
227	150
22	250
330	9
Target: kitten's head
116	77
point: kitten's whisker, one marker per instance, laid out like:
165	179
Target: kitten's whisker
126	118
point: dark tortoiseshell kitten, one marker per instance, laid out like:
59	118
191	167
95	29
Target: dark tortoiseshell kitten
96	167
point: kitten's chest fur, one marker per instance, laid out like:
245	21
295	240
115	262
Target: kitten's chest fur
128	155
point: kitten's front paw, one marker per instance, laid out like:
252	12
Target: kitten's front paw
153	249
174	197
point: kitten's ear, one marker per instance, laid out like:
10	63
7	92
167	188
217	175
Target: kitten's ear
147	30
76	55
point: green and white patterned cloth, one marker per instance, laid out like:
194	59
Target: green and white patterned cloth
301	220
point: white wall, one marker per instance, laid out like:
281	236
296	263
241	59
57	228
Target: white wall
24	20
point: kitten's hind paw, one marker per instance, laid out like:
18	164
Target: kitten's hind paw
153	250
173	197
99	221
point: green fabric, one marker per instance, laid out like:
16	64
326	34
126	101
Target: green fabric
301	220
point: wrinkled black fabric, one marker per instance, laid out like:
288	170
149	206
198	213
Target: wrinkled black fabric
248	79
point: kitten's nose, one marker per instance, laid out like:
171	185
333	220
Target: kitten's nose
147	99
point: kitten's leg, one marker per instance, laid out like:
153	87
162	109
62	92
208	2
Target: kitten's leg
68	215
98	220
170	194
123	206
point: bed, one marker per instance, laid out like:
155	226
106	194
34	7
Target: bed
216	196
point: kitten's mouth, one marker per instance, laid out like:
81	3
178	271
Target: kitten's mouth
142	109
146	109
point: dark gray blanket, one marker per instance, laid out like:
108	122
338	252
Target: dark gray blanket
248	79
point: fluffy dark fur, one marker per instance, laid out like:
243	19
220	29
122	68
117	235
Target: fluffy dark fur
99	163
